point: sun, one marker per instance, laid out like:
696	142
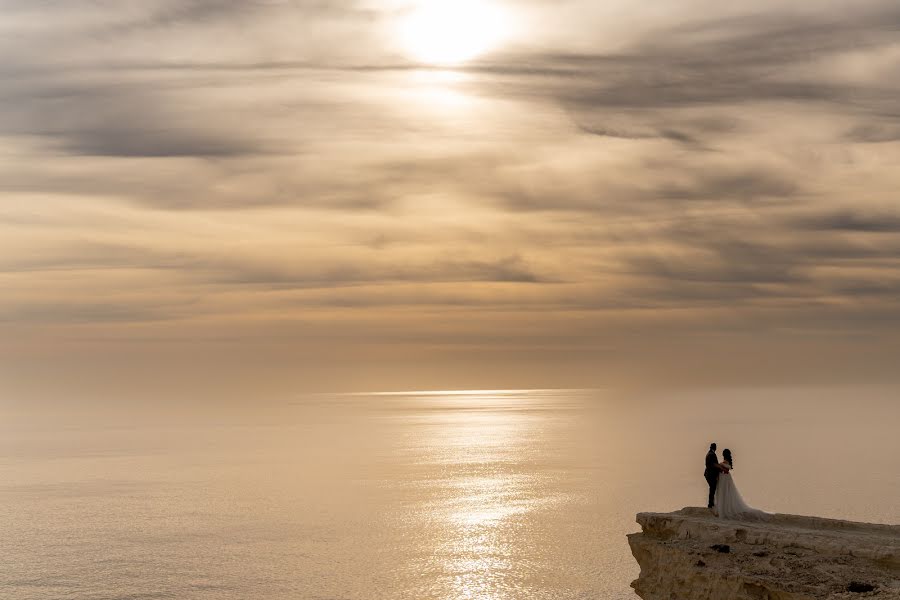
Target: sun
450	32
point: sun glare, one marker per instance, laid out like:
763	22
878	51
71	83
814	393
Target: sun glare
450	32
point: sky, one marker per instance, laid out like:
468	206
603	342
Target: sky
202	198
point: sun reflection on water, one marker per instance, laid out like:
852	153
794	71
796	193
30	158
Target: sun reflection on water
482	442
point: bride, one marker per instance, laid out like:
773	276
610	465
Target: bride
729	503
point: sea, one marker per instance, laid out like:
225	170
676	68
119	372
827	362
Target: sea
437	495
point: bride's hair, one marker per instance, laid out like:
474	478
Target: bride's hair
726	454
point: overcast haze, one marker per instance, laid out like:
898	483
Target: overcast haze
222	197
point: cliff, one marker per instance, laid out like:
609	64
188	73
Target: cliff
692	555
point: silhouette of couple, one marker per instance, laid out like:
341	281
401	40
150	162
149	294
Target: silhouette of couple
724	499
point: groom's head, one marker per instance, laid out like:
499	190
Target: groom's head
712	447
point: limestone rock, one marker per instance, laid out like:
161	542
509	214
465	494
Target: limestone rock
692	555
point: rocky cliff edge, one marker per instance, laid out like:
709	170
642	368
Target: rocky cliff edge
692	555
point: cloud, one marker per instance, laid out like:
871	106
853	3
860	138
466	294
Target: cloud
712	61
745	185
345	271
668	134
853	220
82	313
874	133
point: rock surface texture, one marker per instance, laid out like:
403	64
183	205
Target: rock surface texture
692	555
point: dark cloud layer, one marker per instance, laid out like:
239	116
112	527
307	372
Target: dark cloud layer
853	220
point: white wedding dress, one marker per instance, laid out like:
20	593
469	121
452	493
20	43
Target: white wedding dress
730	504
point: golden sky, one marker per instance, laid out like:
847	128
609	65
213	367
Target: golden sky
282	195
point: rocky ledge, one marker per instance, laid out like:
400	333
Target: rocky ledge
692	555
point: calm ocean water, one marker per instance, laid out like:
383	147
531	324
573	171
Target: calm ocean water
475	495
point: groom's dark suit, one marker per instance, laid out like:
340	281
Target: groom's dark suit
711	473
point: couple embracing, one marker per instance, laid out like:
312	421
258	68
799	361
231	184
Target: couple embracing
724	499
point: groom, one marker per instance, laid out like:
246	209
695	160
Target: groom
711	473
